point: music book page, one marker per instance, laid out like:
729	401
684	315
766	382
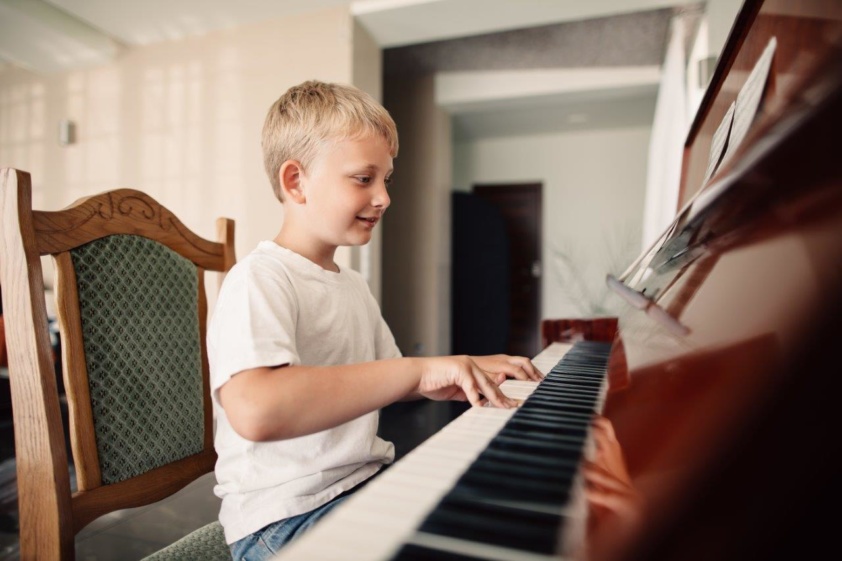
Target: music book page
749	97
719	141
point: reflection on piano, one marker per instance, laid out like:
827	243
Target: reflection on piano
722	432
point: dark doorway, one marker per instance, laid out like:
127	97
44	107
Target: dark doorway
496	270
480	282
520	206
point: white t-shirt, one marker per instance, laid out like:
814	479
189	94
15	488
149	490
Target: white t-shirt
277	307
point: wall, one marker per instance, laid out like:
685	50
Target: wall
367	69
180	120
593	189
416	228
720	16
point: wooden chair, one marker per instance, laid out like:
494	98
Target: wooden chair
132	309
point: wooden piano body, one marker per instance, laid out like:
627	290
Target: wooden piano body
722	383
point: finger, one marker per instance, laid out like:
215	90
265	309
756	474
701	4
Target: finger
472	393
528	369
492	392
512	370
531	370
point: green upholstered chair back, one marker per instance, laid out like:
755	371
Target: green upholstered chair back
138	303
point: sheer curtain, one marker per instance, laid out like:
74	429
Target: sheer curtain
669	131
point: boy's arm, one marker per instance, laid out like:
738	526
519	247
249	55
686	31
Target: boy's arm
289	401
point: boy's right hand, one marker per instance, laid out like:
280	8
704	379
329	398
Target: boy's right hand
459	378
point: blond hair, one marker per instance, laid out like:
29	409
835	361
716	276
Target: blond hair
312	113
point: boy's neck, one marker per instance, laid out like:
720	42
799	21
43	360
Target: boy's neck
323	256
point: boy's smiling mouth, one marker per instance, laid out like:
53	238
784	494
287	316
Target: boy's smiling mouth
369	221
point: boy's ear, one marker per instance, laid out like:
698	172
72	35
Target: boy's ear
290	179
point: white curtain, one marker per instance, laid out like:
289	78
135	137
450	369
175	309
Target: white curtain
669	131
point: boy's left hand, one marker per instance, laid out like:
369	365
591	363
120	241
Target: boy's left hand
499	367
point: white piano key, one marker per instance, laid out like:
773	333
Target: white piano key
549	357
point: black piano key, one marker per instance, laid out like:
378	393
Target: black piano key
536	436
522	458
563	387
558	426
501	459
546	440
568	382
494	524
571	403
561	411
560	386
570	453
543	408
498	483
528	493
510	471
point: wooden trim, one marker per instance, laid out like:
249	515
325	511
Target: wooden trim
145	489
46	527
207	405
122	211
75	372
225	236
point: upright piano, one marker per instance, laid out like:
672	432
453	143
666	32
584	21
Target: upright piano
701	423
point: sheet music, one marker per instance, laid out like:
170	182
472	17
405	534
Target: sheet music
719	141
749	97
745	108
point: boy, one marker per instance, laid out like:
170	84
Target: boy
301	359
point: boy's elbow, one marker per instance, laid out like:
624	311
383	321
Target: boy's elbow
250	417
248	429
256	429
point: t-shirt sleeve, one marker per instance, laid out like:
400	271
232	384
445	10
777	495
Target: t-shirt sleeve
253	324
384	341
386	346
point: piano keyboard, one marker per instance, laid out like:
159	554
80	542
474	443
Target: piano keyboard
496	484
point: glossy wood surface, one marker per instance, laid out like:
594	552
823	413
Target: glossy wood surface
758	267
575	329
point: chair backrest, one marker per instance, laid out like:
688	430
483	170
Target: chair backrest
131	307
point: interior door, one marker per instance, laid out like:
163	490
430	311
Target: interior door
520	207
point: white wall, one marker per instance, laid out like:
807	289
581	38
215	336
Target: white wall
720	16
416	228
593	189
367	69
180	120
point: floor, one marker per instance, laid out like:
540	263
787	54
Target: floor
132	534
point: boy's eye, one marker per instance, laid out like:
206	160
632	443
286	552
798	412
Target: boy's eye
364	179
388	181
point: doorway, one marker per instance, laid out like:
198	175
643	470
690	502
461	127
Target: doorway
496	290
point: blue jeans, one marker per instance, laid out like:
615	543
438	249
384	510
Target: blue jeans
266	542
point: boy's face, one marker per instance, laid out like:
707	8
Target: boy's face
345	190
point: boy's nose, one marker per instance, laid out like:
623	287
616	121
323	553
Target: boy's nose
381	197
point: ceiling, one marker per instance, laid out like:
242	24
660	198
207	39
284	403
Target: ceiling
51	36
